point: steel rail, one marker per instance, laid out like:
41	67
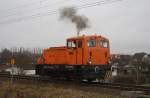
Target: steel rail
127	87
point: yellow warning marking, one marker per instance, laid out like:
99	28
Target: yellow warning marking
12	61
108	74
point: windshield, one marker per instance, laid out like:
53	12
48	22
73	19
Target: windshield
91	43
104	44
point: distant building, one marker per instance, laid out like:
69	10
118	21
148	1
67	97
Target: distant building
29	72
14	70
122	70
19	71
114	56
3	67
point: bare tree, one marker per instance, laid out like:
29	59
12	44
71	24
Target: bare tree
6	56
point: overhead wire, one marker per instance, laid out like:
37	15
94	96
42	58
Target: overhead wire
20	12
97	3
52	12
26	5
22	6
31	4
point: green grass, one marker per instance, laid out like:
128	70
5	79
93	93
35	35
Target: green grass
147	84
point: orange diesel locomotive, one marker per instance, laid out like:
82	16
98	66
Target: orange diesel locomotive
83	57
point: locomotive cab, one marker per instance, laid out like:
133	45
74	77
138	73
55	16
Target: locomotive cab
88	50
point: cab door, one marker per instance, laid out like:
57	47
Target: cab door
79	52
71	51
104	47
92	51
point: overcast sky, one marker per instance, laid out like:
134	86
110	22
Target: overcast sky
32	23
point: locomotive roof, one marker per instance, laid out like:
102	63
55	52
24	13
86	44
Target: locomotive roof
87	37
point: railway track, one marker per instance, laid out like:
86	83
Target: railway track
126	87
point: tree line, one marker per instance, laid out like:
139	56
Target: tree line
20	56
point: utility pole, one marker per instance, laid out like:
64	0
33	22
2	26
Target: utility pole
12	70
12	62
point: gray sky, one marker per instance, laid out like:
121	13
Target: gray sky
126	23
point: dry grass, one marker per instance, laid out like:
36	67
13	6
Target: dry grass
23	90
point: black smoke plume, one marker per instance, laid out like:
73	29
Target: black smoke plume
70	13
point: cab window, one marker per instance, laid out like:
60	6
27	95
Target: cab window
104	44
91	43
71	44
